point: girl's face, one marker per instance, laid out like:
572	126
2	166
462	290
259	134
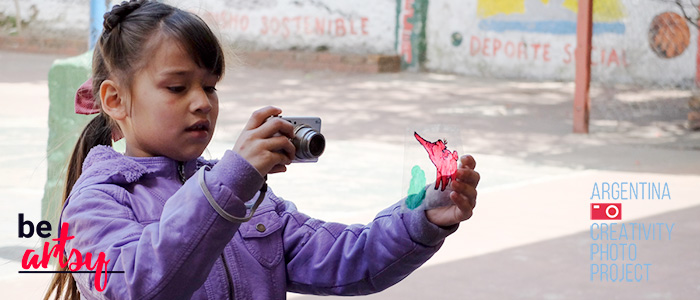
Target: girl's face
173	105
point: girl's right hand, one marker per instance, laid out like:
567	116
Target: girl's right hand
265	143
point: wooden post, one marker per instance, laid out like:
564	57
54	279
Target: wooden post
18	18
584	30
697	59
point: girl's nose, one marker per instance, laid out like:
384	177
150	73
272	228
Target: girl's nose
201	102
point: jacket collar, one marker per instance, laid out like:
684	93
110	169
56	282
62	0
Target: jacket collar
105	161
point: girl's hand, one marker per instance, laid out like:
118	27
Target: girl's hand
463	196
265	143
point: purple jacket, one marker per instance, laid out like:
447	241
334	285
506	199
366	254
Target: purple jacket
171	243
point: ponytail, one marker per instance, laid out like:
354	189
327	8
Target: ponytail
97	132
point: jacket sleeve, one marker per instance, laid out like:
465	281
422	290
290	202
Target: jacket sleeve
326	258
167	259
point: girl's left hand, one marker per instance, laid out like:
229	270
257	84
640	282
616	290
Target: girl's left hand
463	196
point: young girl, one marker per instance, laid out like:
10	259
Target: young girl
178	226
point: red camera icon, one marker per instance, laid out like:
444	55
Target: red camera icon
606	211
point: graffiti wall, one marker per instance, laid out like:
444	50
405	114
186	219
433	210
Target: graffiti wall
51	17
634	41
642	42
358	26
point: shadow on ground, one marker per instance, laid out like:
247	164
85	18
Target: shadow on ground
527	120
560	269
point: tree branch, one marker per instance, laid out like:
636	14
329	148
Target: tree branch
690	20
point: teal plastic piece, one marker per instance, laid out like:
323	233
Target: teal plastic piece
416	190
65	126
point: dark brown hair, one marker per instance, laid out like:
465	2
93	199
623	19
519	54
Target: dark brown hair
121	50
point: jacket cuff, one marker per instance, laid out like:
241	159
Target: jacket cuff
423	231
237	174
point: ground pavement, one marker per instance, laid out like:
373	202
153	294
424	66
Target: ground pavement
530	237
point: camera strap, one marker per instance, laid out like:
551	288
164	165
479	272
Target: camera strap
221	211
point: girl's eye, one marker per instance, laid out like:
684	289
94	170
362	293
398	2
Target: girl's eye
176	89
210	89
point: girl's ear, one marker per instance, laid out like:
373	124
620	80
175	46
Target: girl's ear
113	103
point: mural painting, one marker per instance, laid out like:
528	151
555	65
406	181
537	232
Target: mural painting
633	42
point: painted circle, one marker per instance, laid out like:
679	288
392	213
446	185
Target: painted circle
669	35
607	211
456	39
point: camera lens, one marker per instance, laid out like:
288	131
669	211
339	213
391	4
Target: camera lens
308	142
317	143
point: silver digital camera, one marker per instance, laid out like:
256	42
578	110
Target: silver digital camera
308	140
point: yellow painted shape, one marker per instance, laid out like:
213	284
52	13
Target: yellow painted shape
603	10
488	8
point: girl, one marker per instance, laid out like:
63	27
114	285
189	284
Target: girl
178	226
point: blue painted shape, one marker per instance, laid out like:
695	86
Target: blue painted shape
551	27
97	10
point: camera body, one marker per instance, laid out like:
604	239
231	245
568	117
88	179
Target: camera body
308	140
606	211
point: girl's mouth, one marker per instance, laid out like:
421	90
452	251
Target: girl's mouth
199	126
199	130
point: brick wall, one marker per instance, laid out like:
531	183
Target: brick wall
36	44
370	63
297	60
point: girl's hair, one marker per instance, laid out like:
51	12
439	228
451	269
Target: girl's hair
122	49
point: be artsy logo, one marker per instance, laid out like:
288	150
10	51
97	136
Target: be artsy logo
76	260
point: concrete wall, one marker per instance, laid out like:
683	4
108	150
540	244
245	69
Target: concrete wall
536	39
67	18
635	41
358	26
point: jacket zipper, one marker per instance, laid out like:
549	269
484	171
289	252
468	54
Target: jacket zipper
229	282
181	171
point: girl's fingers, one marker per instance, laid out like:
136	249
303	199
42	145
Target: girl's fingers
468	176
272	161
467	160
273	126
463	204
278	169
260	116
280	145
466	190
